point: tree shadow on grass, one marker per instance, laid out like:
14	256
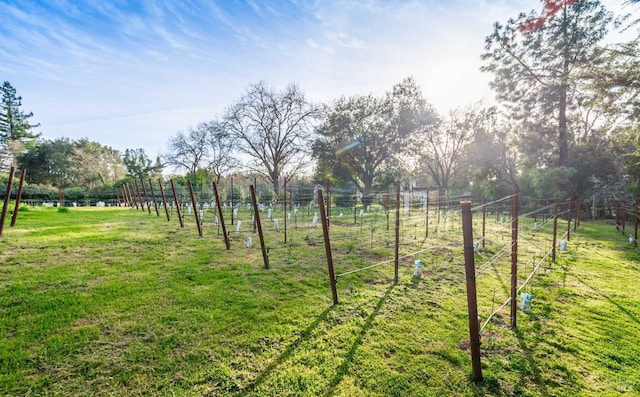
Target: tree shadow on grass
504	286
343	368
632	316
304	336
528	369
528	352
632	255
527	366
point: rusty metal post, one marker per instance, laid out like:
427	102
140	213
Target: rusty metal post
328	202
255	226
231	200
128	201
439	205
153	196
387	206
426	221
117	196
134	201
569	219
164	200
623	214
119	192
555	231
291	206
146	197
139	195
136	197
195	208
124	196
396	250
327	247
472	302
14	218
355	203
484	224
177	203
221	216
120	197
131	194
576	225
7	197
256	211
635	226
514	258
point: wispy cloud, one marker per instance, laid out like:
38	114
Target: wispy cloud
119	69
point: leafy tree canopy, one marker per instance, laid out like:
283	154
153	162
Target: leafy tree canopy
366	138
15	129
138	164
537	60
65	163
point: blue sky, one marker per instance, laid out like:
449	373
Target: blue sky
130	74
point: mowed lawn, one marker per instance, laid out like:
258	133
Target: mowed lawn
107	301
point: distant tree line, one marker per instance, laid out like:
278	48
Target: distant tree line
566	120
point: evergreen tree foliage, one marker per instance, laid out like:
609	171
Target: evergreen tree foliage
367	139
51	162
64	163
15	129
537	60
139	165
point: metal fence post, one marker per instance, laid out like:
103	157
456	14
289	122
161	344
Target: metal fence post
472	302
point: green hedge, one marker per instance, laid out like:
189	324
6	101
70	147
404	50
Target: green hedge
48	193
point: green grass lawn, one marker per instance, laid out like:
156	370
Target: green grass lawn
108	301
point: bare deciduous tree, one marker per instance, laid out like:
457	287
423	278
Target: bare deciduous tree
222	158
207	146
273	129
189	150
445	145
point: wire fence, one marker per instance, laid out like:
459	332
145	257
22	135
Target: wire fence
363	234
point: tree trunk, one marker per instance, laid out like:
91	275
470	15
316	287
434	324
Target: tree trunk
60	197
276	185
563	146
563	160
366	189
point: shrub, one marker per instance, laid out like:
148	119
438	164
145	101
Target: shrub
75	194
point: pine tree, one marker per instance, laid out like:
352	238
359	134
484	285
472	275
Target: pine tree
536	60
15	129
139	165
